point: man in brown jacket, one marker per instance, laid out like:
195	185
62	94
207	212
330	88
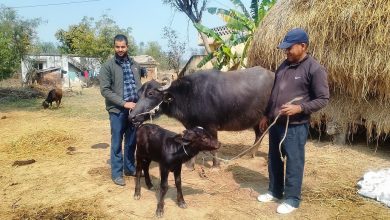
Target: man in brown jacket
300	75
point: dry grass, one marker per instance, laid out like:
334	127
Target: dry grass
342	110
87	209
351	41
43	143
350	38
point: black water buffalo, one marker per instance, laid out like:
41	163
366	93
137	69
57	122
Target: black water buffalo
170	150
214	100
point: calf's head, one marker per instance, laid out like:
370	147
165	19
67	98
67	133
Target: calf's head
45	104
201	139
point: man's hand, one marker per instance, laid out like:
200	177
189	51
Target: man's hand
263	124
290	109
129	105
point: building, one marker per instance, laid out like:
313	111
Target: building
192	65
149	64
65	69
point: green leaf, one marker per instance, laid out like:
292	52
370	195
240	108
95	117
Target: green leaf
205	60
208	32
255	11
239	4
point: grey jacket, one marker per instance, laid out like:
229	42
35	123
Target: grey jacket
111	83
306	79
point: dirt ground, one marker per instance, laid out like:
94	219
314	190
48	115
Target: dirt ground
55	165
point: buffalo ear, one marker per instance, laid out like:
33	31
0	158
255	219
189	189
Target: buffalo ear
188	134
179	139
167	97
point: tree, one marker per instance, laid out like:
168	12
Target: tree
197	51
45	48
141	48
16	39
93	39
176	49
154	50
194	13
243	25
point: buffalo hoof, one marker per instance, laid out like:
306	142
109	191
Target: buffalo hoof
183	205
159	213
189	168
137	197
215	168
150	187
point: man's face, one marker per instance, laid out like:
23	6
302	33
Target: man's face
121	48
296	52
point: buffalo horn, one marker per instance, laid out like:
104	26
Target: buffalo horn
167	84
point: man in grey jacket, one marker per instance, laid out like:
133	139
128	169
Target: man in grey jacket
119	82
300	75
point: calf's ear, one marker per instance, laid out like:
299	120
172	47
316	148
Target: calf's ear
179	139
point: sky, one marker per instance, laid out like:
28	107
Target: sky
146	17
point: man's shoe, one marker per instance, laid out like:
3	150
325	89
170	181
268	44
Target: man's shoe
267	197
119	181
128	173
285	208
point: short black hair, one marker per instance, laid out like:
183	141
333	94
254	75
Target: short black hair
121	37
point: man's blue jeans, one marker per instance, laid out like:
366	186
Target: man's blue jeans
293	148
121	127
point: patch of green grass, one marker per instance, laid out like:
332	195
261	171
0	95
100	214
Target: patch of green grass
12	104
89	105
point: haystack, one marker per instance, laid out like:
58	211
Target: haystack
351	39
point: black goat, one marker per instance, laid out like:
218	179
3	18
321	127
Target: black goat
170	150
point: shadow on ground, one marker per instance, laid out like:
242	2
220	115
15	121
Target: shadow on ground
100	146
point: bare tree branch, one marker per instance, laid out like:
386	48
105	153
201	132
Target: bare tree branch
191	9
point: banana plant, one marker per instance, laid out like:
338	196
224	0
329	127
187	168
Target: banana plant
242	23
223	54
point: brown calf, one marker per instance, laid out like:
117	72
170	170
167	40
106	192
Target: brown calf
54	95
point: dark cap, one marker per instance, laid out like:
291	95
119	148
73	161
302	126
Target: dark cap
294	36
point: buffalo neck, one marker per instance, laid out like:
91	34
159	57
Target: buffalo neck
175	110
185	153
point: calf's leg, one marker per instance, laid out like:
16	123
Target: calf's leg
137	191
145	167
163	190
180	198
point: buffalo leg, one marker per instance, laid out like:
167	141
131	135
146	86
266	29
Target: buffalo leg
214	134
163	190
191	164
180	198
215	160
137	191
258	134
145	167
